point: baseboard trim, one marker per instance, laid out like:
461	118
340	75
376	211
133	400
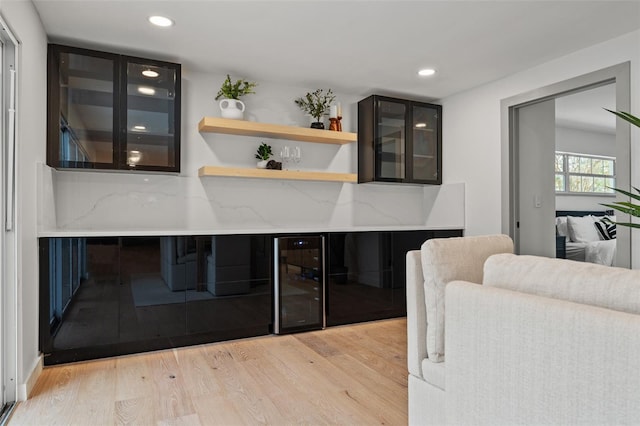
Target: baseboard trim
25	389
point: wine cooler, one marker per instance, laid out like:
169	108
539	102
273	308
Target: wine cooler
299	294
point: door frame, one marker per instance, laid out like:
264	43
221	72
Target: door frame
8	203
619	74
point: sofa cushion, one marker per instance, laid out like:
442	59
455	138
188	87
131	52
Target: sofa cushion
520	359
416	314
434	373
580	282
448	259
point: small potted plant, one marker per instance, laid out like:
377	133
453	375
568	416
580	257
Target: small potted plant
316	105
263	154
230	92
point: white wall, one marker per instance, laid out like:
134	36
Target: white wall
581	141
93	201
577	202
25	24
472	128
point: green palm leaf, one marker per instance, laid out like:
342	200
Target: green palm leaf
628	194
621	206
628	224
627	117
625	210
624	206
629	205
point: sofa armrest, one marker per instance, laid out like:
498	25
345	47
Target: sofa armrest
416	314
515	358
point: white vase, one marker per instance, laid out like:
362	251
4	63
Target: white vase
232	108
262	164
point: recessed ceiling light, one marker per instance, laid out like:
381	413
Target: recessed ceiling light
426	72
421	125
160	21
139	128
150	73
147	90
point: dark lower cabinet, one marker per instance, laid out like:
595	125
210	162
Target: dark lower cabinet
110	296
367	273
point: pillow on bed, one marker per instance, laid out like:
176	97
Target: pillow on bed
606	229
582	229
561	226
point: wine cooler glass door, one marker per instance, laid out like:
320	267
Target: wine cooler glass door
299	283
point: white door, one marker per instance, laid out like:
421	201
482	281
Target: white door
535	208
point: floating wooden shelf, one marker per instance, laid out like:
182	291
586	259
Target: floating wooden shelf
274	131
276	174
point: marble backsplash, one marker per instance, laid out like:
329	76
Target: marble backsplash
94	202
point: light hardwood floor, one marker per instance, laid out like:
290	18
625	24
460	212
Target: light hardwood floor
349	375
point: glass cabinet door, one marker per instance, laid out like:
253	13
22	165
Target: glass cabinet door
425	153
86	97
390	141
399	141
152	140
111	111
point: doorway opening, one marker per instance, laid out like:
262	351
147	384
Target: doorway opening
535	169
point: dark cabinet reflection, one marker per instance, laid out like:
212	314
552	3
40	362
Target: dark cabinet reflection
109	296
367	273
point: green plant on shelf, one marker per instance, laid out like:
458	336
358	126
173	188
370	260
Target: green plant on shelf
264	152
234	90
316	103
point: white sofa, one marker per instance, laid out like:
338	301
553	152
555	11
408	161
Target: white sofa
445	260
541	341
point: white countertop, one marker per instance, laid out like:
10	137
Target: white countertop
182	232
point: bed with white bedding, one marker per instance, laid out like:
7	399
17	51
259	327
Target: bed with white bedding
602	252
586	236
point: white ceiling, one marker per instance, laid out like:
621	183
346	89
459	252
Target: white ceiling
358	47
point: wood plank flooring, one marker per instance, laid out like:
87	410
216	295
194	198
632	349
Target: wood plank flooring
349	375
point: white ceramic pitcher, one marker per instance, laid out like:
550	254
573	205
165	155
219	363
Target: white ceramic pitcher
232	108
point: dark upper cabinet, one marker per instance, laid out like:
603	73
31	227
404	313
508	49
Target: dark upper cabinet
109	111
399	141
